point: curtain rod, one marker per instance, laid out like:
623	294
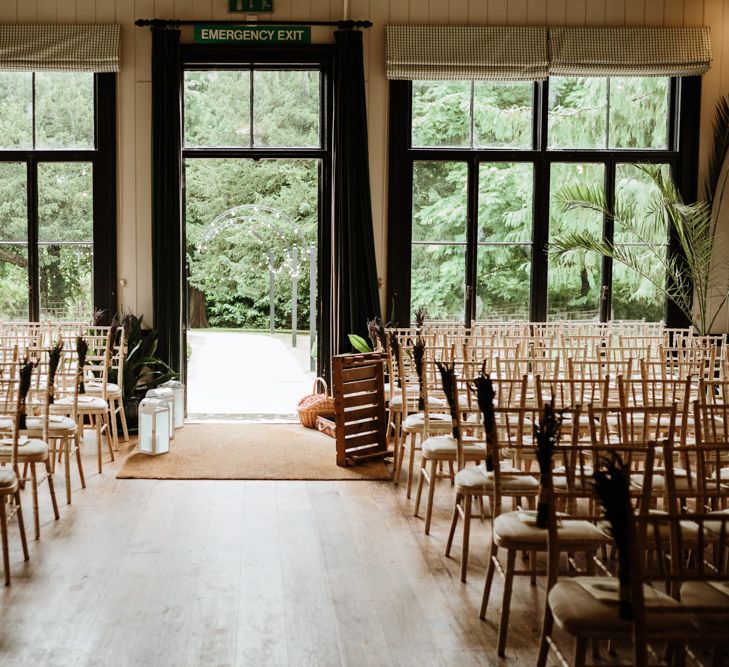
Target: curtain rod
173	23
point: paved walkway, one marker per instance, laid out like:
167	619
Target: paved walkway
236	374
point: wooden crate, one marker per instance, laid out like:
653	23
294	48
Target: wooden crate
359	404
327	424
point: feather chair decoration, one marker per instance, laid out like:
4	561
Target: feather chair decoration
485	394
26	375
546	433
448	381
376	333
418	355
82	348
111	339
54	360
612	487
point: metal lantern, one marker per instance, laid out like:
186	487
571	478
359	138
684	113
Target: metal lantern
178	389
154	426
168	396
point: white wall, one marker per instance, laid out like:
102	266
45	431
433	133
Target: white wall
134	95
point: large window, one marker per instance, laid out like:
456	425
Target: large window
479	171
57	195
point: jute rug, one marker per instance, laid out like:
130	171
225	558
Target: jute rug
248	451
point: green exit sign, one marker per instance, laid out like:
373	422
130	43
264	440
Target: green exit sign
262	6
207	33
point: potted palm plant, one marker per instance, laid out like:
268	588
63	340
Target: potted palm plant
697	282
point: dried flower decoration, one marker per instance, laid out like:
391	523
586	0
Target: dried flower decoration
395	352
485	395
420	315
54	360
448	381
82	349
26	375
418	355
612	487
546	433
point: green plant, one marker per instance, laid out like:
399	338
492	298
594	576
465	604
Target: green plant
143	370
359	344
696	283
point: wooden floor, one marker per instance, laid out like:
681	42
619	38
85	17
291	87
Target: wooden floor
144	572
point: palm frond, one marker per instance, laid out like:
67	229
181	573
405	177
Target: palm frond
720	146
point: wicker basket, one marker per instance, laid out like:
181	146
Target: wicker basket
315	404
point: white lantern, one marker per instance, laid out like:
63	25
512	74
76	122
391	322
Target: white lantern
178	389
154	426
168	396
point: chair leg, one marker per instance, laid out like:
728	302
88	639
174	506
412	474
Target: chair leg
431	494
21	526
67	469
123	417
4	538
580	651
111	418
109	438
52	489
454	523
466	535
489	580
419	491
97	424
547	626
506	602
34	491
411	465
79	463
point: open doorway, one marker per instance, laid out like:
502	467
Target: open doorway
254	156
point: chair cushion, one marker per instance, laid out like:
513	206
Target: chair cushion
8	480
478	479
513	533
582	615
94	389
31	451
55	423
416	422
446	447
86	403
695	593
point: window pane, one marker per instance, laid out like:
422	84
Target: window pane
503	277
639	112
13	202
634	296
64	110
286	108
439	201
503	114
441	114
16	110
65	201
217	108
505	202
66	281
13	282
636	195
573	291
437	280
577	112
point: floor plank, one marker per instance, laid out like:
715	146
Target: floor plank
148	572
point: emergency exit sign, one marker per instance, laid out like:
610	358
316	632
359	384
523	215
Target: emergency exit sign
248	34
261	6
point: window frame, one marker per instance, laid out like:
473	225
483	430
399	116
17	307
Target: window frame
681	155
104	185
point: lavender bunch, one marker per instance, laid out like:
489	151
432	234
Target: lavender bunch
485	395
82	349
612	487
54	360
546	434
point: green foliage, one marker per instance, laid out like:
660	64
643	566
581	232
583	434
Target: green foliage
359	344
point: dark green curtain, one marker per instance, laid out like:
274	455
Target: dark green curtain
355	272
166	202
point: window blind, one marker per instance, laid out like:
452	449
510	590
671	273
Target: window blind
64	48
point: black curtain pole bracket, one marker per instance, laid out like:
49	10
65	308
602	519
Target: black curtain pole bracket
171	23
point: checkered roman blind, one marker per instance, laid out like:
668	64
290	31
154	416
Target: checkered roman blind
59	48
505	53
593	51
513	53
